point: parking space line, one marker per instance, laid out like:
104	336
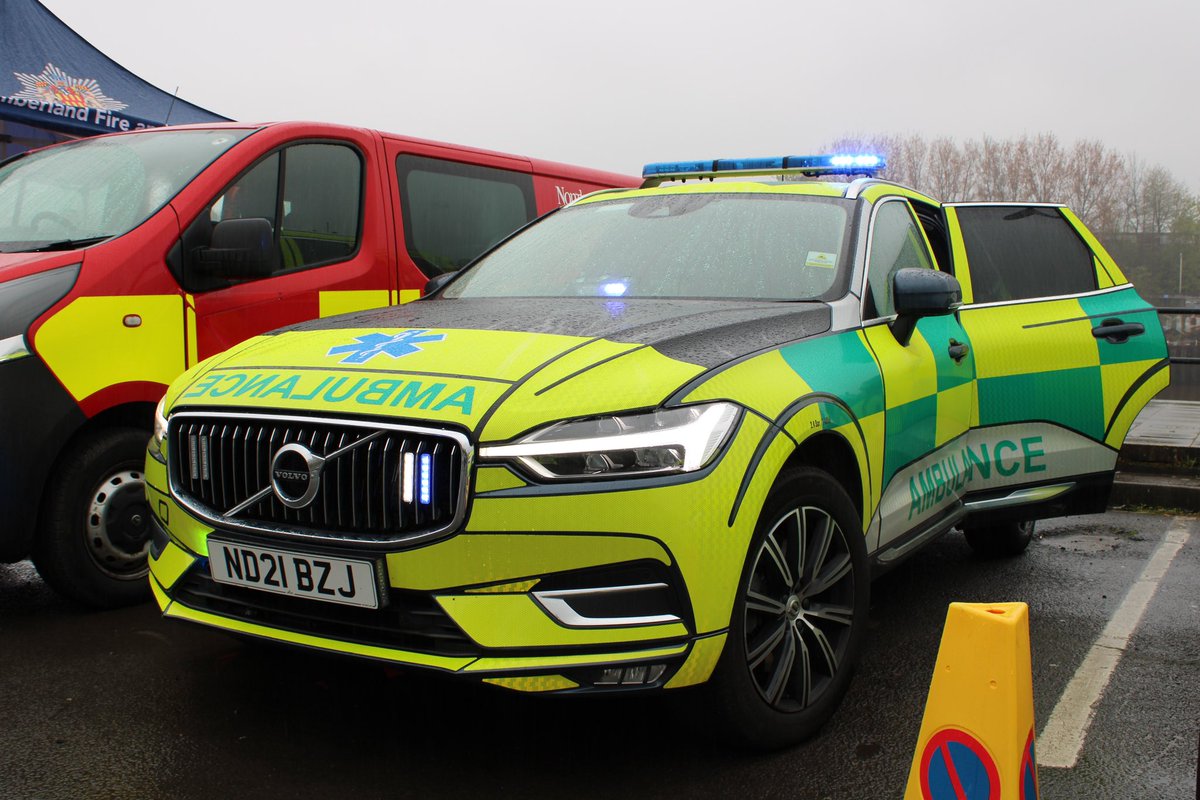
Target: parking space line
1062	738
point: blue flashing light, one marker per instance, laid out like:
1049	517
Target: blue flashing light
425	480
835	164
748	164
677	168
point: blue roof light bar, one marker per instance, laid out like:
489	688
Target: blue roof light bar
833	164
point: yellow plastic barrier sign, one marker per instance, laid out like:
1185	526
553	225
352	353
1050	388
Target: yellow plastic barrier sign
977	736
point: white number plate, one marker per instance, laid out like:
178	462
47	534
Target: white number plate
334	580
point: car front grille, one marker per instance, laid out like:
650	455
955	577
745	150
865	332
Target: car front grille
370	482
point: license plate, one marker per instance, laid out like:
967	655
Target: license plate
318	577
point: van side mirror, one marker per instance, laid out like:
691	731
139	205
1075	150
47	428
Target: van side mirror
920	293
433	284
242	249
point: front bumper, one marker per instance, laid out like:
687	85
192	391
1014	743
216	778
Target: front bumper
489	601
37	418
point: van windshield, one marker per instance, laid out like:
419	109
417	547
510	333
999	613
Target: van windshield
83	192
710	245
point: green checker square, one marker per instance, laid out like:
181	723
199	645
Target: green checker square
910	432
1073	398
1128	307
841	365
938	331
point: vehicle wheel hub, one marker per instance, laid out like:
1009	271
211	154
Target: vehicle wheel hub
118	525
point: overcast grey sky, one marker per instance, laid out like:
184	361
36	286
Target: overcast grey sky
616	84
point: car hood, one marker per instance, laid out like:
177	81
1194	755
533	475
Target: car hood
495	367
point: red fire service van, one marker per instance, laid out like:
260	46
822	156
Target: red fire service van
125	259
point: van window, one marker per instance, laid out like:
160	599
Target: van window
308	199
1018	252
896	243
452	212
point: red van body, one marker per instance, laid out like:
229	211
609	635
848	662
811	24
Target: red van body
125	260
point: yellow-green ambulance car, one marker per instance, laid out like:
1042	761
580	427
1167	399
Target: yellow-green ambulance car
662	437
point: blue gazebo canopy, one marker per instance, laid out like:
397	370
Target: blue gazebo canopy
52	78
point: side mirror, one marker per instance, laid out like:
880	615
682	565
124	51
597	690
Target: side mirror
437	283
242	249
920	293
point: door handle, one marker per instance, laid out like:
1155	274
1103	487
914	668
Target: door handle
958	351
1115	331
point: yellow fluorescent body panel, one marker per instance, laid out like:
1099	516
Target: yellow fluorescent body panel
491	479
822	189
1004	343
1117	378
561	662
408	295
499	355
180	611
160	596
700	662
170	565
89	348
981	695
637	380
332	303
480	558
911	372
193	353
535	683
956	410
515	620
506	588
765	383
1120	427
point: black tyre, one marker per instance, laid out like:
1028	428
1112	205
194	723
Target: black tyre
93	536
1000	539
800	615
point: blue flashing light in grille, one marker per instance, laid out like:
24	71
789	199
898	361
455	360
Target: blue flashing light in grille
835	164
426	480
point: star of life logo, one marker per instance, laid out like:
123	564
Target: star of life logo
55	86
375	344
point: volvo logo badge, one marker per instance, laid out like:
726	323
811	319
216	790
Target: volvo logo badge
296	475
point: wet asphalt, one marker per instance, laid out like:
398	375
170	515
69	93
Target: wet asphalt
124	704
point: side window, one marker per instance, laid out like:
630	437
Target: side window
298	207
1018	252
896	243
452	212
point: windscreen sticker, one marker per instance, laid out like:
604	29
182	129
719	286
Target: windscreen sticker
375	344
818	259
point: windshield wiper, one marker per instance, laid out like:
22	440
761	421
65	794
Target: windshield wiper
67	244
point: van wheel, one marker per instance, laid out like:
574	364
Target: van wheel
799	618
93	537
1000	539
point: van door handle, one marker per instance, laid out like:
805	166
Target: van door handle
1115	331
958	351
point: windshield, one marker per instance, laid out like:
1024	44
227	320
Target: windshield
86	191
768	246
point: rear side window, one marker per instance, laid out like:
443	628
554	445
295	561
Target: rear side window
452	212
1019	252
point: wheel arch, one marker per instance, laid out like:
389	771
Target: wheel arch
831	452
137	414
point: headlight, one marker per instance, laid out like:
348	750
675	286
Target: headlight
160	430
654	443
12	348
